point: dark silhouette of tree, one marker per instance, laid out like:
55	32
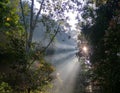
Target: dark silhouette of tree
102	36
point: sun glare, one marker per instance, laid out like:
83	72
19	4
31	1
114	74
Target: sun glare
85	49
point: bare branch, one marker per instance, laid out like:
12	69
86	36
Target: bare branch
24	22
38	13
45	47
51	39
31	25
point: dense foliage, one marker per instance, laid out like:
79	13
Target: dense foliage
17	72
102	29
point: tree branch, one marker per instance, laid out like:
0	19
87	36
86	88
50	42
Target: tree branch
33	23
38	13
45	47
51	40
31	27
24	22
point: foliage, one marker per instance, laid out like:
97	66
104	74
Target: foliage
103	37
16	70
5	88
8	15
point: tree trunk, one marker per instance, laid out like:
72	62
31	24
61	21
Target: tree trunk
29	90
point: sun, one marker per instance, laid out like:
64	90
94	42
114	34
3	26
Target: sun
85	49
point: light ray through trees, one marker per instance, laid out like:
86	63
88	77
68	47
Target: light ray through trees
67	67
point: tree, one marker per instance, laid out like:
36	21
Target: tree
103	36
14	67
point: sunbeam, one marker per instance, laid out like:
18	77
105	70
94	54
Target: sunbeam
63	59
61	56
65	45
61	51
66	78
66	72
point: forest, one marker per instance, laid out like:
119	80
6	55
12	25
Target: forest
59	46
